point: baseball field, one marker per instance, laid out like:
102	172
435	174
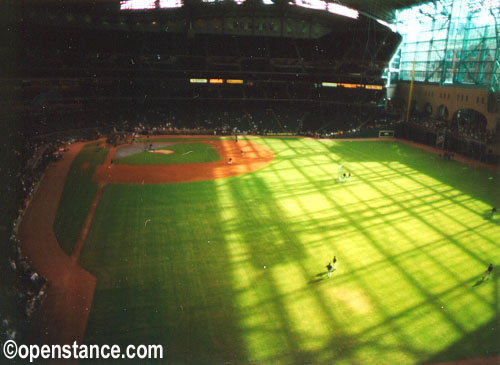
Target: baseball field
230	265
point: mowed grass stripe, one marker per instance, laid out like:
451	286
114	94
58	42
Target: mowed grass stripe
181	139
183	153
410	232
164	247
78	194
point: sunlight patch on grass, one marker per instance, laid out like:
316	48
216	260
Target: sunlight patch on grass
356	302
409	235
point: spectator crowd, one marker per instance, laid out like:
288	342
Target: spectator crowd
23	288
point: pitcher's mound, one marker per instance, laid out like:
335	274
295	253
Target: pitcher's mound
162	152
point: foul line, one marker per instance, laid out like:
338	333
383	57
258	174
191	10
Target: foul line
88	222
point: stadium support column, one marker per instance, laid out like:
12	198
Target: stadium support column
445	51
462	68
410	94
494	92
428	71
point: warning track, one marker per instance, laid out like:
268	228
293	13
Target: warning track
65	311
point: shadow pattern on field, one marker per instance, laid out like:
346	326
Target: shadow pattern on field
432	298
300	170
157	284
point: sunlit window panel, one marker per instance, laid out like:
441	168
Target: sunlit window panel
165	4
390	26
450	41
342	10
312	4
137	4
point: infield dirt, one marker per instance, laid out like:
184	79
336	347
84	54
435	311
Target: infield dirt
254	157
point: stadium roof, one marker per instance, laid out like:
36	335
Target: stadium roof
381	9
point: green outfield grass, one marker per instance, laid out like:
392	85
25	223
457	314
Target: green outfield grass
79	191
183	153
183	139
233	269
